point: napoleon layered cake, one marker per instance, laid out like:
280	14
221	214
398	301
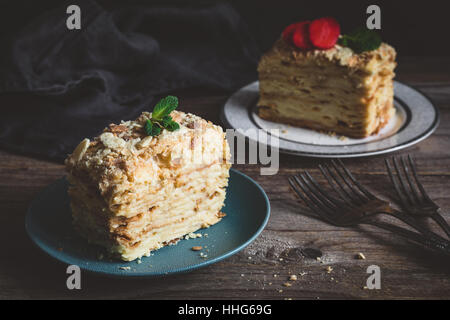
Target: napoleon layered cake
313	77
146	183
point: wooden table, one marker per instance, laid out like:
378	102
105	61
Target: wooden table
257	272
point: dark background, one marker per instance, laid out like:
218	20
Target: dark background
59	86
414	28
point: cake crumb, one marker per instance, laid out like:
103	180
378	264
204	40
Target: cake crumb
329	269
287	284
124	268
293	277
196	248
360	256
192	235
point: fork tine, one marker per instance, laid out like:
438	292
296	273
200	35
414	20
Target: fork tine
359	185
295	188
402	182
416	177
307	200
344	177
436	217
320	192
411	184
317	186
332	184
395	183
330	176
312	195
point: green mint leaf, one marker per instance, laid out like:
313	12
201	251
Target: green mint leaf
151	128
172	126
161	118
164	107
344	41
156	131
361	40
166	120
148	127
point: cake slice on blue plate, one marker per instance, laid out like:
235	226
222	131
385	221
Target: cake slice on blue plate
146	183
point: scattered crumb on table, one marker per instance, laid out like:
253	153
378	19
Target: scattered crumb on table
360	256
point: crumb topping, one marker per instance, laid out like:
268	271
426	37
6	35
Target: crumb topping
125	153
343	56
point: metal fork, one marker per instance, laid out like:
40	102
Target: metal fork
357	205
414	199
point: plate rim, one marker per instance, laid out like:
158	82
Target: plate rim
39	244
422	136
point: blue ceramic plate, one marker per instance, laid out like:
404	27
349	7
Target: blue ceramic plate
48	223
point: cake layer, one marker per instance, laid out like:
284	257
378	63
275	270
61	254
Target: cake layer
137	238
191	197
212	176
330	115
327	87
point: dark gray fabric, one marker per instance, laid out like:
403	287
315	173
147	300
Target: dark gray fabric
113	68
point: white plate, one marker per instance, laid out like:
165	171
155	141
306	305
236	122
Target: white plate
415	119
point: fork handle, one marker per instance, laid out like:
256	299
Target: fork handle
412	223
414	236
441	222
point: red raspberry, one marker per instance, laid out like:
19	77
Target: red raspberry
300	37
289	31
324	32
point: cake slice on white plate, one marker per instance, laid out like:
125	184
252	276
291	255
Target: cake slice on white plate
313	77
